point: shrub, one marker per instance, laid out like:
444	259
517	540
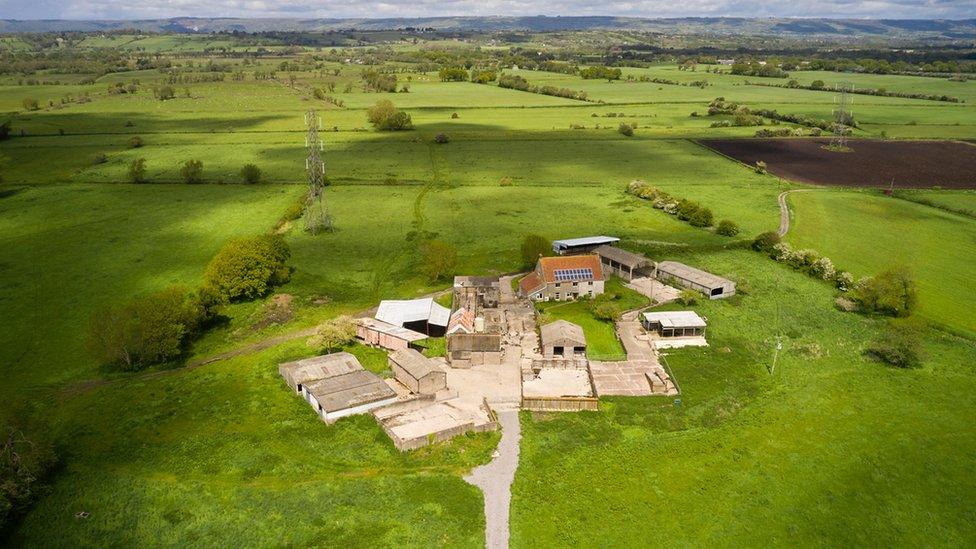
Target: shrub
453	74
760	167
136	142
900	345
844	280
727	227
30	104
147	330
26	457
246	268
100	158
165	93
4	130
625	129
604	307
891	293
192	171
817	84
439	259
455	116
334	334
483	77
533	247
823	268
765	242
441	138
701	217
137	170
689	297
384	116
250	174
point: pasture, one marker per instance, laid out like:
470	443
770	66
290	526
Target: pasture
830	447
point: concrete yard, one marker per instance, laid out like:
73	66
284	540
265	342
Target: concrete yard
563	382
657	291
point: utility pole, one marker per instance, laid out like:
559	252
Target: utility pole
843	116
317	218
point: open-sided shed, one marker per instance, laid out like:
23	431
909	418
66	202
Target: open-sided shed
626	265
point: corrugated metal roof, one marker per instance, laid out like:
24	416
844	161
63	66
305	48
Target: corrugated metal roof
562	329
416	364
698	276
299	372
623	257
399	312
349	390
676	319
584	241
398	332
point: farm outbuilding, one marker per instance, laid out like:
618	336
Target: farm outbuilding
420	315
582	245
626	265
383	334
674	323
563	339
336	385
679	274
417	372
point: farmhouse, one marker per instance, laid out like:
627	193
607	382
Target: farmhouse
563	339
421	315
626	265
564	278
582	245
383	334
336	385
674	273
674	323
417	372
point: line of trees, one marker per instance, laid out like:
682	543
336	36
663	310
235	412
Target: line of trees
516	82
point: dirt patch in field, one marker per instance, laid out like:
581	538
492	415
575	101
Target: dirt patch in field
869	163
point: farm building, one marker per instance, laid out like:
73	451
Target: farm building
626	265
564	278
417	372
336	385
563	339
466	350
383	334
477	292
475	328
582	245
421	315
679	274
674	323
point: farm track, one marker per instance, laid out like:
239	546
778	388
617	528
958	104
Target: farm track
784	211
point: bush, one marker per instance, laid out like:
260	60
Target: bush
899	345
441	138
250	174
689	297
701	217
334	334
246	268
891	293
625	129
30	104
147	330
136	142
765	242
4	130
483	77
439	259
384	116
605	307
26	458
760	167
453	74
100	158
165	93
727	227
137	170
192	171
533	247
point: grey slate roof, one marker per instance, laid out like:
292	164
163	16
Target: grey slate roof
415	364
562	330
623	257
698	276
349	390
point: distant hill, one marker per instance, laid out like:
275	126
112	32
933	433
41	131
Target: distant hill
942	28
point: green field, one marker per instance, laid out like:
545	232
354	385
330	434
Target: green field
830	448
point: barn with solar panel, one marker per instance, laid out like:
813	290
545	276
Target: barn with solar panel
564	278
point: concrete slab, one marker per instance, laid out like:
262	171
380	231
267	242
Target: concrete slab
558	382
678	342
654	289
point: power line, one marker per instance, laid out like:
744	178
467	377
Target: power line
317	218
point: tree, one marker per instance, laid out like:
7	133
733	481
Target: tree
246	268
334	334
192	171
165	93
453	74
30	104
891	293
137	170
384	116
765	242
817	84
4	130
625	129
689	297
251	174
441	138
135	142
899	344
26	457
727	227
439	259
534	246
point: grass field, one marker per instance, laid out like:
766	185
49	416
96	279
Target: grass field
830	449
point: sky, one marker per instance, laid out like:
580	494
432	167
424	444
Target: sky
151	9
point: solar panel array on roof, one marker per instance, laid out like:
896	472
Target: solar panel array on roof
573	274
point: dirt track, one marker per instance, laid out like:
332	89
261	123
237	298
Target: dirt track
871	163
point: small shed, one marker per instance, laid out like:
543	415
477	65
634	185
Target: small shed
563	339
417	372
383	334
584	244
679	274
626	265
674	323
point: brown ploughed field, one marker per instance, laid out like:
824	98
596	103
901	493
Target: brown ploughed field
870	163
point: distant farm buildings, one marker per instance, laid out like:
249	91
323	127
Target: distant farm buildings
420	315
564	278
336	385
679	274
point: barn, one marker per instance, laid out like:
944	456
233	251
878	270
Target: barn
679	274
626	265
336	385
417	372
582	245
420	315
563	339
383	334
